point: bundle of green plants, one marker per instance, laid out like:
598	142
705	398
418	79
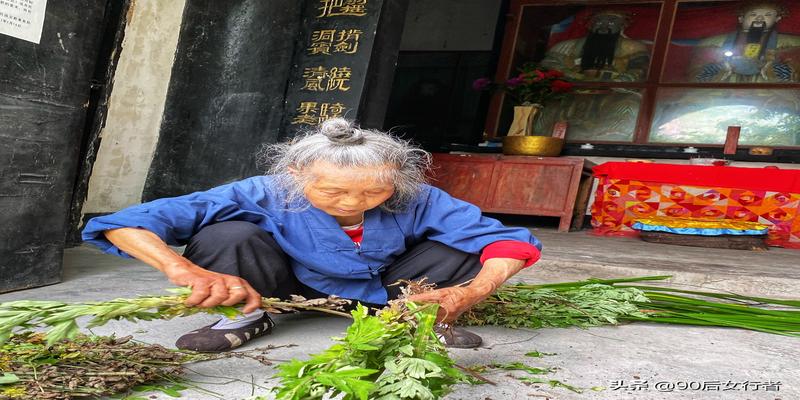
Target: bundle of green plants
597	302
60	318
394	355
586	303
86	366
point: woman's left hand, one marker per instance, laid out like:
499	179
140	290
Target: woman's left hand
453	301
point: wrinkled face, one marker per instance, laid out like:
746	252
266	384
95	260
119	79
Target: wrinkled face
346	193
607	24
759	17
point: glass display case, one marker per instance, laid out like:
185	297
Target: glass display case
659	72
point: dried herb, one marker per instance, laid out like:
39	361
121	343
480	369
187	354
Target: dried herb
83	367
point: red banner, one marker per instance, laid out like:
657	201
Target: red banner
768	178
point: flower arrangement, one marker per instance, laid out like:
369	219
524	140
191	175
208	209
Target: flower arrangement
532	86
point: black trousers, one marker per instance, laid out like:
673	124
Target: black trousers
243	249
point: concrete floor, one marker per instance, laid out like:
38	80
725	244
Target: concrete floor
607	357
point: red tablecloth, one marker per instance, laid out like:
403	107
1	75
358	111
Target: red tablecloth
628	191
769	178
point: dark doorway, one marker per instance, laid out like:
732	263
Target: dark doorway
441	54
432	101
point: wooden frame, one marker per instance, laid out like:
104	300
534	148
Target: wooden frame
649	86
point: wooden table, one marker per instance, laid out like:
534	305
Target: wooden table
544	186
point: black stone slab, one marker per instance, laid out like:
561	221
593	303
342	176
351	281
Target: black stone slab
310	101
226	93
43	92
115	21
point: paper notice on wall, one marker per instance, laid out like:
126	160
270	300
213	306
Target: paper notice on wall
22	19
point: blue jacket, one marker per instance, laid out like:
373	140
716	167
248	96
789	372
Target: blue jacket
323	257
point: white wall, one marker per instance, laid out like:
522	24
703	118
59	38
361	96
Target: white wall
135	106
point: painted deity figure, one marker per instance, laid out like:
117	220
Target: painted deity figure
755	52
604	54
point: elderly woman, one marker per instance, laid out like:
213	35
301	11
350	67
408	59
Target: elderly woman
344	211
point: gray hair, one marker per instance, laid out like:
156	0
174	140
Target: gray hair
344	144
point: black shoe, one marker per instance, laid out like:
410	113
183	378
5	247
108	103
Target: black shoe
456	337
206	339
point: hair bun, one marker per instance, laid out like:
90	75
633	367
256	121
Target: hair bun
341	131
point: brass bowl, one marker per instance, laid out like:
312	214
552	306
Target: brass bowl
543	146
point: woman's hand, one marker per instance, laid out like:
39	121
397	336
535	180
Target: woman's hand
210	289
453	301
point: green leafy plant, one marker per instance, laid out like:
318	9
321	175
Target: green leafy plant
596	302
538	354
392	355
172	390
537	307
552	382
518	366
536	373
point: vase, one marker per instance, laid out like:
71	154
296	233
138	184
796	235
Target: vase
524	118
542	146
